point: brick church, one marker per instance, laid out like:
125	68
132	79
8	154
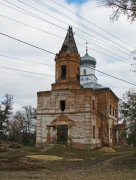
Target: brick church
77	111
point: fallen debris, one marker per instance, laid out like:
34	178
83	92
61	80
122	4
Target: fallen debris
7	145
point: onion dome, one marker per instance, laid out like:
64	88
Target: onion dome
86	59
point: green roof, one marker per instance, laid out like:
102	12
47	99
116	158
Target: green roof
86	59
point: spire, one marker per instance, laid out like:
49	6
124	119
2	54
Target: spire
69	44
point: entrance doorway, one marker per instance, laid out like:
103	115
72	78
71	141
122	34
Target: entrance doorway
62	134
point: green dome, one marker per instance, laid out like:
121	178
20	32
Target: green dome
86	59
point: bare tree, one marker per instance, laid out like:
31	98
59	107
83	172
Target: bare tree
125	7
22	126
6	107
29	123
16	125
128	110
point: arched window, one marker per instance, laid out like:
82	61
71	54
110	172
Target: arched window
84	72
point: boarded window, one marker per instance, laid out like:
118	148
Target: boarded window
63	72
62	105
93	131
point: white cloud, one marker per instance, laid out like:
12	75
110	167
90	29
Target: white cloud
25	85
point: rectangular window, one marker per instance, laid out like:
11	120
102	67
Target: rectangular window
113	111
63	72
110	109
62	105
93	131
110	133
78	77
78	74
99	133
84	72
93	104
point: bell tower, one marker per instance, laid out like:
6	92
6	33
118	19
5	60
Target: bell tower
67	72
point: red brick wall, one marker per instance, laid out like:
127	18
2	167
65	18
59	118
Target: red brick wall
72	62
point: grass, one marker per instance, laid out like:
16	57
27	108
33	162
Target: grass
62	162
65	152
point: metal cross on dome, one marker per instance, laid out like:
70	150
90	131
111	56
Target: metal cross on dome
86	46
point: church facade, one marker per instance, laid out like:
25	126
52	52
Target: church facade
77	111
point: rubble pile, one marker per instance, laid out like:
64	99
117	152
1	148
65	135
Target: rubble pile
6	145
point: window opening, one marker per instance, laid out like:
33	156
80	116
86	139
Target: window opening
63	72
84	72
93	104
99	133
62	105
78	75
110	133
113	111
93	131
110	109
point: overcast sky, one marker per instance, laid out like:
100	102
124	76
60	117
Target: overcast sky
46	28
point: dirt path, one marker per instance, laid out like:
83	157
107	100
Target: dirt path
104	164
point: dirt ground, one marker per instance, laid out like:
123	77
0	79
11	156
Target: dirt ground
63	163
